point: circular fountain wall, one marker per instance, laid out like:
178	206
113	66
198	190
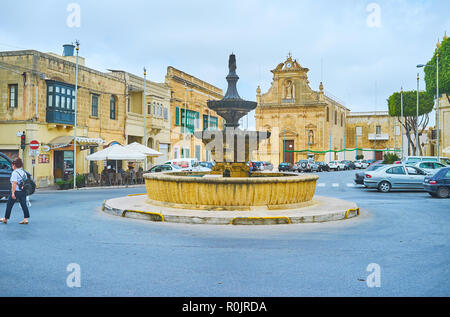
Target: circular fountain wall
189	190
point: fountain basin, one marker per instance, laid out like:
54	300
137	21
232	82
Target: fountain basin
191	190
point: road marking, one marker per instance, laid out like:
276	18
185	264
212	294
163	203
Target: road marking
335	185
321	185
350	185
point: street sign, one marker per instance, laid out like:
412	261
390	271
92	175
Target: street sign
34	153
34	145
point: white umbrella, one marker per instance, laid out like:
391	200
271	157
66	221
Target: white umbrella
137	147
116	152
447	150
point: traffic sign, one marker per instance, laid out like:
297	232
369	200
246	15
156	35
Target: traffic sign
34	153
34	145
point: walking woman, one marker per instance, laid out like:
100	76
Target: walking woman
18	176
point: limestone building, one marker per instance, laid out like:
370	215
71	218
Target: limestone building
156	109
371	131
444	127
37	96
190	113
299	118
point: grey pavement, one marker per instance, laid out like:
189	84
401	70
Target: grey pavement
406	233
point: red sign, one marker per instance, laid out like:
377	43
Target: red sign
34	145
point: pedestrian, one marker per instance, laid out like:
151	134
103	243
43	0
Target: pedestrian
18	177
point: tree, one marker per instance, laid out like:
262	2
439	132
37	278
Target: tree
444	70
426	103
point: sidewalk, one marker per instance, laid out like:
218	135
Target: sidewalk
55	188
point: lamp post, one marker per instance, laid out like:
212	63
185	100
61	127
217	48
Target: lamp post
75	121
401	117
437	101
417	117
145	115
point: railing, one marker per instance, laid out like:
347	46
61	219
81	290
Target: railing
63	116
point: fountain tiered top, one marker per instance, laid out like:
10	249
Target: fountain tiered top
232	107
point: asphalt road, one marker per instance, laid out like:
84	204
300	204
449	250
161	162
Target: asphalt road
406	233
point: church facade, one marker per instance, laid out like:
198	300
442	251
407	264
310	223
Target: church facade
303	123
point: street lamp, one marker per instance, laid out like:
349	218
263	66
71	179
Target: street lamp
75	121
417	117
437	101
145	111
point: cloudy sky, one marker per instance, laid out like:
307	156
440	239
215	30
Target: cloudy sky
362	50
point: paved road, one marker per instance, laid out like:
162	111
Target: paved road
406	234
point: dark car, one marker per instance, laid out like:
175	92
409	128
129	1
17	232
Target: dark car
259	166
438	185
285	167
322	166
349	165
5	175
359	176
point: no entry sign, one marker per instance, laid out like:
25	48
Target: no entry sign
34	145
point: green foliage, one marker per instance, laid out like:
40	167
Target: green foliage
360	157
80	181
444	70
390	158
426	103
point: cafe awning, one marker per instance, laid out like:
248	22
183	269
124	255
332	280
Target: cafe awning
67	140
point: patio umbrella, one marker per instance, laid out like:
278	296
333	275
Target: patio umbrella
116	152
137	147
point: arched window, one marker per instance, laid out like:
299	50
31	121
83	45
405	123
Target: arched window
112	108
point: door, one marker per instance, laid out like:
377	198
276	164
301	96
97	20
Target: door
378	155
58	164
397	177
289	146
416	177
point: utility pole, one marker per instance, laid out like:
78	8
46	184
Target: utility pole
401	117
75	119
145	114
437	106
417	118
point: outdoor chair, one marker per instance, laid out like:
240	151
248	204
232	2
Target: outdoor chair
119	179
111	178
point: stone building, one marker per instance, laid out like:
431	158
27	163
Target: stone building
299	118
189	95
370	131
444	127
37	96
157	110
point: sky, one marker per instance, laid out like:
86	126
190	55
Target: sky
363	51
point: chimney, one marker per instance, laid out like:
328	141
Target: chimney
68	49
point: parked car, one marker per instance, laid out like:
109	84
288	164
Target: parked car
306	166
188	164
359	176
430	167
336	166
361	164
323	167
259	165
209	165
285	167
377	162
165	168
438	185
268	166
5	175
395	177
410	160
349	165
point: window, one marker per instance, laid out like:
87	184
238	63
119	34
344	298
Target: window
359	131
328	114
149	108
60	102
94	108
378	129
398	170
177	116
335	117
112	108
191	121
166	114
413	171
5	164
342	120
13	95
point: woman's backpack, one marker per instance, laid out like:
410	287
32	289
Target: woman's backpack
26	185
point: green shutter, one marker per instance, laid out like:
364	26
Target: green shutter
177	116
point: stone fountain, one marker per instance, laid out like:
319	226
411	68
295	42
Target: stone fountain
231	194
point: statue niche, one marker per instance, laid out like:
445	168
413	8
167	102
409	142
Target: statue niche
288	89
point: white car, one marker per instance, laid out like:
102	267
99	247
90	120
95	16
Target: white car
336	165
430	167
361	164
188	164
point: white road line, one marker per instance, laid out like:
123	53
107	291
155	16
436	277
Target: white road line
350	185
335	185
321	184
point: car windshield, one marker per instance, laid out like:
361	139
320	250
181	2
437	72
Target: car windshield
175	166
374	168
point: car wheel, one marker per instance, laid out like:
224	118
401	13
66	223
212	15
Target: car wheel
443	192
384	187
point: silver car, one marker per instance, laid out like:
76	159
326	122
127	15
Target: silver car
430	167
395	177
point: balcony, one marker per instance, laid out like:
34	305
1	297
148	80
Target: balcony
61	116
379	137
156	123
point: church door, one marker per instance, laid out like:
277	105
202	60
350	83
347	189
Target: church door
289	146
